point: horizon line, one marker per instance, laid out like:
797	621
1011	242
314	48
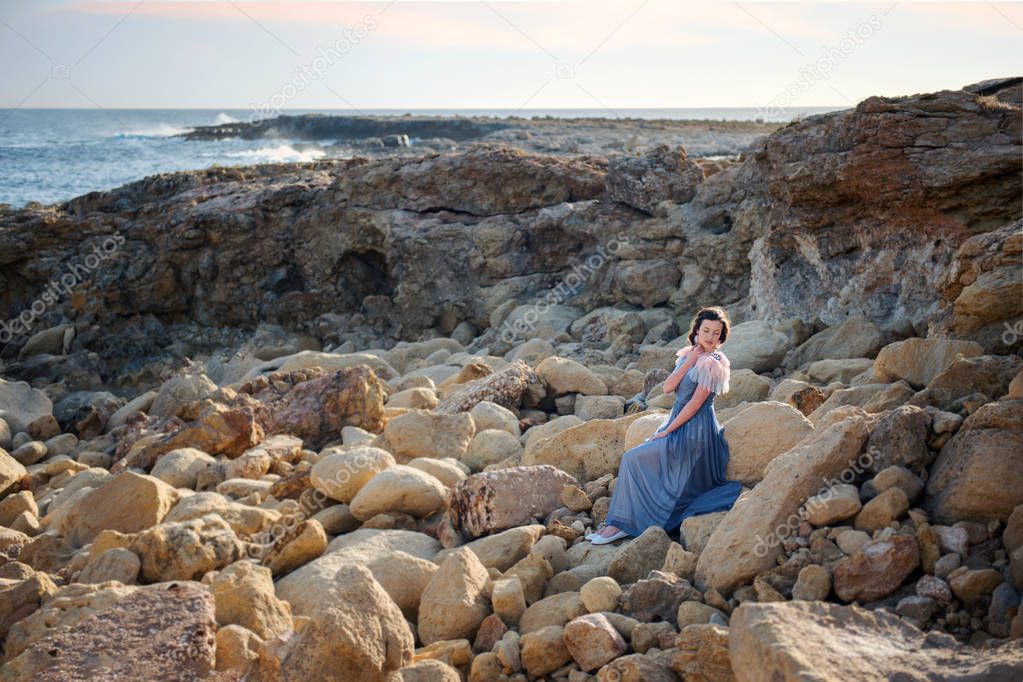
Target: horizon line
510	108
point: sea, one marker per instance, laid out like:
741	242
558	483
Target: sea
52	155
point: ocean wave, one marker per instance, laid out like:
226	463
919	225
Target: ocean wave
159	130
279	154
223	118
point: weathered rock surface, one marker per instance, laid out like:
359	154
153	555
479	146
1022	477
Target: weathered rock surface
163	631
340	475
310	404
505	387
357	633
20	404
916	266
748	540
979	473
758	434
453	604
18	599
403	576
586	451
978	291
183	550
425	433
821	175
243	594
127	503
797	641
399	488
504	498
876	570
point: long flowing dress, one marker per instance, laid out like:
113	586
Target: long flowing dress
663	481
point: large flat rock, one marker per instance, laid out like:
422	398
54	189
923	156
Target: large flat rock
164	631
803	640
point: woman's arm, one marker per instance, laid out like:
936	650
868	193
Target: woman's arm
686	413
712	373
675	378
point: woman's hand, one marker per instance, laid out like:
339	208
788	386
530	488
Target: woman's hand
694	351
658	434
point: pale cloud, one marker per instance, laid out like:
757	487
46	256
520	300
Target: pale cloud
493	53
553	26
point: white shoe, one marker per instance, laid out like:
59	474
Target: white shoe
598	540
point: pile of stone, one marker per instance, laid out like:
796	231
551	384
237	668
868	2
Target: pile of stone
419	512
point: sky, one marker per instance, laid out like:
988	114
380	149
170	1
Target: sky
491	54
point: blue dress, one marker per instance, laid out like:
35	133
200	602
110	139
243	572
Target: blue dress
663	481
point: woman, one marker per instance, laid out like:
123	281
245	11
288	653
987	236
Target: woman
680	470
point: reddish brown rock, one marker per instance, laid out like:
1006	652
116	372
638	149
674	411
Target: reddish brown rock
877	570
161	632
970	584
873	198
315	404
701	654
506	387
292	486
218	430
593	640
311	404
505	498
979	290
658	597
491	630
979	473
402	225
868	204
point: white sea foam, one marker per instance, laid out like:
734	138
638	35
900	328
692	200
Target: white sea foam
279	154
223	118
159	130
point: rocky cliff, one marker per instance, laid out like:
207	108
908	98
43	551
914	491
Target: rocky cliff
859	212
352	420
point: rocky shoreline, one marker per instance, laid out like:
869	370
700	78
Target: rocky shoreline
412	136
351	419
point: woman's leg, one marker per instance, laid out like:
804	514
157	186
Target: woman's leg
609	527
640	499
629	488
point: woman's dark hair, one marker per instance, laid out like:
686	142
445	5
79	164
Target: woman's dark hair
711	313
